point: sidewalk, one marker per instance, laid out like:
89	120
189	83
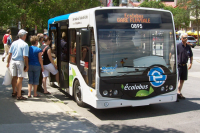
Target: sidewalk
44	114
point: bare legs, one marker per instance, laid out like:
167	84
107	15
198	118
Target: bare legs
19	86
44	81
44	84
14	83
34	90
180	85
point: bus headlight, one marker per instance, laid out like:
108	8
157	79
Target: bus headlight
115	92
171	87
162	88
105	92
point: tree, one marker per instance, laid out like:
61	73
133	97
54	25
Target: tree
179	14
115	2
193	8
37	12
152	4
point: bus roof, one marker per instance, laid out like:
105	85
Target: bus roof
66	16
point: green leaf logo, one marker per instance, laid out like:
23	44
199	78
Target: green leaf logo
122	86
73	72
151	90
144	93
70	80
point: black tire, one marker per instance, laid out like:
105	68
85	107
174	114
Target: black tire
78	94
192	46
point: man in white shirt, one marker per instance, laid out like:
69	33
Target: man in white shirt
18	53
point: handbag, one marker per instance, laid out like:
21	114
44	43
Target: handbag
7	78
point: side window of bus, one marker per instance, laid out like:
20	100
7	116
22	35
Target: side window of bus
84	63
72	49
93	62
53	44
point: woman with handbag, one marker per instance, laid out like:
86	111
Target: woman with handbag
49	65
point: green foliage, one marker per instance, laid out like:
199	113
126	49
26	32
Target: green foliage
115	2
192	8
37	12
152	4
180	14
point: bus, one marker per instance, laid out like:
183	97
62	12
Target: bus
111	57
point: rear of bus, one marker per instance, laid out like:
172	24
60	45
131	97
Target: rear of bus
136	57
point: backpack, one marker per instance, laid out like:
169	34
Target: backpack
9	40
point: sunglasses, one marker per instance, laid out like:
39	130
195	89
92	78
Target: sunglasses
185	37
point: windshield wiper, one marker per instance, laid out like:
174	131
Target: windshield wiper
125	73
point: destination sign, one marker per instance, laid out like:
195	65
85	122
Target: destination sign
134	18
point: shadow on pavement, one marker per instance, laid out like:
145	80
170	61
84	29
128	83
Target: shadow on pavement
113	128
25	116
127	113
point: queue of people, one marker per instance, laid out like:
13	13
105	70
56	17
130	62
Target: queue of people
35	60
22	59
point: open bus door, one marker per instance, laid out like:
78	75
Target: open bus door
54	34
84	56
60	53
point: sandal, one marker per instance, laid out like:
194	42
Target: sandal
14	94
29	96
37	95
21	98
48	93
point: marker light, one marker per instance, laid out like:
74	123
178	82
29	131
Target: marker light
171	87
162	88
115	92
105	92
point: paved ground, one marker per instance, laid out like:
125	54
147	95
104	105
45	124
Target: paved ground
44	114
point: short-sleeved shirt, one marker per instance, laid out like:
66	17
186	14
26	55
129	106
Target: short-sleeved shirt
33	56
183	53
19	49
5	38
46	60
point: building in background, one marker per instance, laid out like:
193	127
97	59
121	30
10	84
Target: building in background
103	2
133	3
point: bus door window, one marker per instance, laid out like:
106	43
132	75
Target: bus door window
64	59
93	57
84	62
72	47
53	46
64	47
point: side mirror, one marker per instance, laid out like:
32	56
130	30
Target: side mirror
85	37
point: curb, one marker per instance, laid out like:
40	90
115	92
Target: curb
73	113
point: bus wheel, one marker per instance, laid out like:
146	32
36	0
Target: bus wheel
78	94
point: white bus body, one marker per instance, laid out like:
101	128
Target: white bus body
114	75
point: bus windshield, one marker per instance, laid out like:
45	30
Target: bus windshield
127	48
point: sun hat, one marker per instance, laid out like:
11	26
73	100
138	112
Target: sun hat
22	32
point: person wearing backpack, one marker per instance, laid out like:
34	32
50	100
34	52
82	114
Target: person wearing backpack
7	40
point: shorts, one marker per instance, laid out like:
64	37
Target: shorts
34	74
182	72
49	68
17	68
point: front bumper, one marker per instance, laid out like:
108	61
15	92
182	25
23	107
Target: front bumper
116	103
